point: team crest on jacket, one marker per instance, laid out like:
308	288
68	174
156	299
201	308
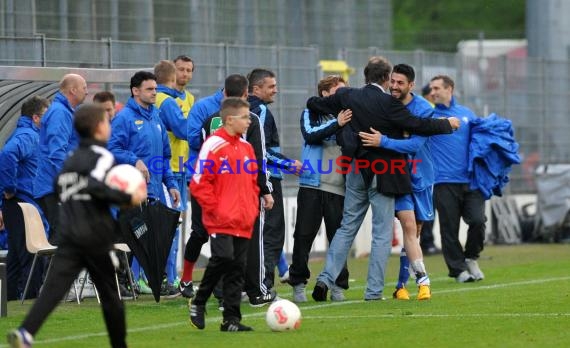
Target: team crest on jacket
139	124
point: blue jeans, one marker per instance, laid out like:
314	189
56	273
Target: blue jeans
357	199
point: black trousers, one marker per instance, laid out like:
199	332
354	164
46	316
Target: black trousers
255	268
19	260
67	263
454	201
314	205
229	255
50	207
273	233
254	271
199	235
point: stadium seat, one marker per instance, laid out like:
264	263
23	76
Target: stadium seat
36	240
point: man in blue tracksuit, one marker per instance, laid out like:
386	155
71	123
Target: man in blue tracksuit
453	197
262	89
57	139
173	119
18	165
139	138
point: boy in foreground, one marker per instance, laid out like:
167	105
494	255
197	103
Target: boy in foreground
87	231
225	185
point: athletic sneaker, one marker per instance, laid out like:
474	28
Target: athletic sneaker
221	304
320	291
337	294
424	292
234	326
20	338
186	289
473	268
143	287
197	316
262	300
284	278
169	291
299	293
401	294
464	277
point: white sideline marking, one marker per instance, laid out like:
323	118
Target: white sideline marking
329	304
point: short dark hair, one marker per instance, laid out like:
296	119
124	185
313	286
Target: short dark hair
329	82
447	81
230	104
426	90
185	58
139	77
34	105
377	70
235	85
257	76
86	119
104	96
406	70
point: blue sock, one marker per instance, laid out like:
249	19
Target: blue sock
282	266
136	268
404	269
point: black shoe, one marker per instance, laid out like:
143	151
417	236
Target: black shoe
221	304
234	326
186	289
169	291
262	300
320	292
197	316
126	294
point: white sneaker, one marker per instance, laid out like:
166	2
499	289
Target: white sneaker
474	269
284	278
299	293
337	293
464	277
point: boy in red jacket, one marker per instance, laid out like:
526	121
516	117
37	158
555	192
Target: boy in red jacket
226	188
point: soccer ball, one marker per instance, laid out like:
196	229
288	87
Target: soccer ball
126	178
283	315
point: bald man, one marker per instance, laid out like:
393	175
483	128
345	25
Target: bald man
57	139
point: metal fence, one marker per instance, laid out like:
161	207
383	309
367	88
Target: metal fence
533	93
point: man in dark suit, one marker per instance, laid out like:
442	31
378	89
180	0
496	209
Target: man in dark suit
375	174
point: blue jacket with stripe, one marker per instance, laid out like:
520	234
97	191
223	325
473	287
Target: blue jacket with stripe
315	129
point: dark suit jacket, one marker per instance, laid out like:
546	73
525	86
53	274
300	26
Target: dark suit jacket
373	108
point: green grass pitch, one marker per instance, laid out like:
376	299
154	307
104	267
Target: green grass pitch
524	301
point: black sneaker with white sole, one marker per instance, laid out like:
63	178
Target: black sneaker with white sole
234	326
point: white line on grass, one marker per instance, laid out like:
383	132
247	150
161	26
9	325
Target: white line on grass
328	304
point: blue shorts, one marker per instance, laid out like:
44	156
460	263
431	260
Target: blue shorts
421	202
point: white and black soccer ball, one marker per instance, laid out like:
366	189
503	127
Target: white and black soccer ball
283	315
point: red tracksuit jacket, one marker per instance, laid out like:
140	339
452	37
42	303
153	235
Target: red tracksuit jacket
225	185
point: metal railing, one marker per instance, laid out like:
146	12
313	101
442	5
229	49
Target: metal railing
533	93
